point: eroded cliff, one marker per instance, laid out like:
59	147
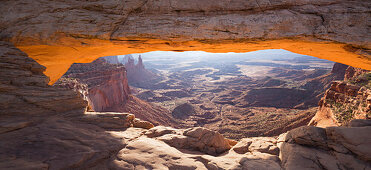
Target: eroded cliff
345	100
107	83
105	87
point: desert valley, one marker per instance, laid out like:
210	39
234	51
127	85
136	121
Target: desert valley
262	93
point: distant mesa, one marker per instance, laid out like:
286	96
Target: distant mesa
137	74
126	58
184	110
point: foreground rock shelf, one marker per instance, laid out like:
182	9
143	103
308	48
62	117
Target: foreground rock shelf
60	143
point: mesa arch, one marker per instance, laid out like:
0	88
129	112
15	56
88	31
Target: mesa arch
57	34
58	59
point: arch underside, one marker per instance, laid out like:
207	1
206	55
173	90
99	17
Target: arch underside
59	33
57	59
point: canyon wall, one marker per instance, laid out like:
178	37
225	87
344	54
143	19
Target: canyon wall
316	87
25	94
105	87
107	83
345	100
53	31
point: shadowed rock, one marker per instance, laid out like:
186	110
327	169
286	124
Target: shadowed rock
183	110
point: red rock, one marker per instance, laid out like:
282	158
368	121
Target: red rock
108	91
345	100
107	83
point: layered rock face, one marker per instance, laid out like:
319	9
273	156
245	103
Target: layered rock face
345	100
316	87
105	87
44	127
340	21
25	94
54	137
107	83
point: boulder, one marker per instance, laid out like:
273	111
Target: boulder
257	161
142	124
200	139
257	144
357	140
329	148
160	131
309	135
360	122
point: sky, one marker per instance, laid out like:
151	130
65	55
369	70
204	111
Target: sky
271	54
277	56
199	54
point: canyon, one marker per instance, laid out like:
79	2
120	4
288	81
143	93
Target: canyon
264	93
50	127
106	89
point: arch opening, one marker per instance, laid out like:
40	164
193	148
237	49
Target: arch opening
232	93
58	57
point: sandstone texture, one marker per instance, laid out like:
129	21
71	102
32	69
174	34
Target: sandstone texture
341	21
345	100
329	148
51	31
107	83
44	127
25	94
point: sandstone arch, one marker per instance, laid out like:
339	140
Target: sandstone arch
48	128
56	34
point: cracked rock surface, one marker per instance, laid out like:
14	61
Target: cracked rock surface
340	21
